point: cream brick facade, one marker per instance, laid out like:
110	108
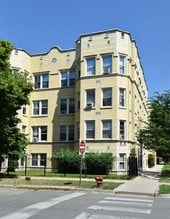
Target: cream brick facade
95	92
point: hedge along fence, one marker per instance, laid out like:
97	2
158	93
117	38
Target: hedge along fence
166	171
69	161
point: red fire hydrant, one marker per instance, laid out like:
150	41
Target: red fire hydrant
99	181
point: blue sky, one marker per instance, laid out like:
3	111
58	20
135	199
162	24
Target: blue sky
38	25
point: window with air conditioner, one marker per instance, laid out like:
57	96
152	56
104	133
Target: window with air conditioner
90	98
39	133
107	64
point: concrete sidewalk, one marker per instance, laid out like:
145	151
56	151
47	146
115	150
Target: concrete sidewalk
147	183
141	185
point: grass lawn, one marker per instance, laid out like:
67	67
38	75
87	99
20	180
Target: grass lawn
164	189
15	180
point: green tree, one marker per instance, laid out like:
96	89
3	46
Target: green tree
14	92
156	134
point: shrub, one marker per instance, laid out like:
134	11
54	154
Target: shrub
68	161
166	171
98	163
151	161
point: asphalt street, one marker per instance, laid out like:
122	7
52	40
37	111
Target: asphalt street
20	204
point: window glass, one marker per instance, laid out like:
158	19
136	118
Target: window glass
90	96
107	97
107	64
122	65
63	135
44	105
90	66
41	81
45	81
107	129
68	78
122	158
72	78
122	97
122	129
63	106
90	129
64	79
40	107
71	105
37	81
66	132
71	133
39	133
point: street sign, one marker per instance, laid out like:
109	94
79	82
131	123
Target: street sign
82	146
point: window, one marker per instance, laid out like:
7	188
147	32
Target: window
67	106
67	78
90	97
90	129
78	100
24	110
40	107
122	129
107	96
90	66
15	71
122	92
107	64
66	132
39	133
41	81
107	129
23	130
121	64
78	130
39	159
122	159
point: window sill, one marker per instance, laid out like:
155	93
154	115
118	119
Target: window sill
37	116
106	107
123	107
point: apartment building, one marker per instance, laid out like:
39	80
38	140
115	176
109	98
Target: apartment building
95	92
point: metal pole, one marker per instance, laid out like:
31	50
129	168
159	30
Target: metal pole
80	169
25	165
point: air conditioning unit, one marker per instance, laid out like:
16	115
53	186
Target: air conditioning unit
122	137
106	70
35	139
89	105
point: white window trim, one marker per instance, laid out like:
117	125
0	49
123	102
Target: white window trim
102	128
40	107
39	133
125	99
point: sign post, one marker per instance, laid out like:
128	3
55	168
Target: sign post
82	146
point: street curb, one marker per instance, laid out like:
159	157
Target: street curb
134	193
